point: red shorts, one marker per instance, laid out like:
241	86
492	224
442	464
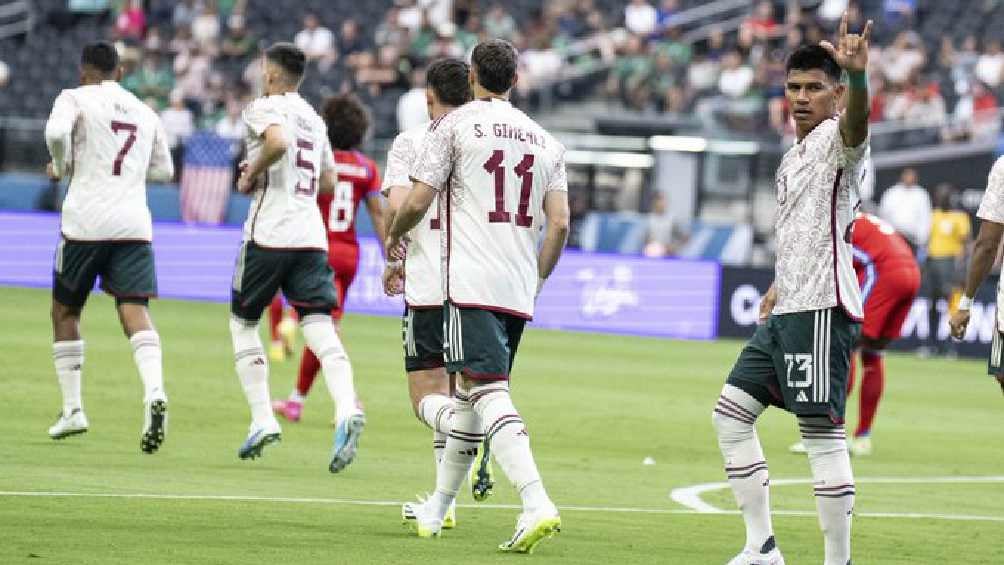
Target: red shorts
344	261
889	301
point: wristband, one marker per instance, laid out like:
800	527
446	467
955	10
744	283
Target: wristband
858	80
965	303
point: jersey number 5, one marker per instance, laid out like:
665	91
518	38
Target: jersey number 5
118	126
306	165
524	171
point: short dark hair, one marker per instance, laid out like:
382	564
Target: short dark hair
448	78
101	56
810	57
290	59
347	119
495	63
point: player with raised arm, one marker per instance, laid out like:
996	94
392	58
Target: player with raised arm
109	143
499	176
289	159
988	242
810	318
358	180
422	325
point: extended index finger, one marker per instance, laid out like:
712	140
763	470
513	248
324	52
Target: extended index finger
867	33
843	25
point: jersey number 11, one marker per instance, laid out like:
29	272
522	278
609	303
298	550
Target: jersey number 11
524	171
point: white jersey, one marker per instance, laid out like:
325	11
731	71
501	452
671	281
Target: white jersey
817	191
110	143
992	210
494	165
423	287
284	213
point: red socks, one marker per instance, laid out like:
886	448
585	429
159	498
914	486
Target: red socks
274	317
872	383
309	366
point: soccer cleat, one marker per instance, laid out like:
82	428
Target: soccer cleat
288	409
450	520
532	529
154	426
797	448
276	351
861	446
287	335
769	554
66	426
258	438
482	476
420	517
346	441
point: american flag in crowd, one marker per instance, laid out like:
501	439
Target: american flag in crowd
206	178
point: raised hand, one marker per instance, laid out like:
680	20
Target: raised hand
851	52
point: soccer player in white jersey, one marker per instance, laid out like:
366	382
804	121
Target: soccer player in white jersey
985	248
501	179
108	142
447	88
285	247
798	359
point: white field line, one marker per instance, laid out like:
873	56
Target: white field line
570	508
690	496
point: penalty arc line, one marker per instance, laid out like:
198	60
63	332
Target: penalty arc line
690	497
570	508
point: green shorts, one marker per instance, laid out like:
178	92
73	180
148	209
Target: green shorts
304	277
481	344
800	362
422	333
126	269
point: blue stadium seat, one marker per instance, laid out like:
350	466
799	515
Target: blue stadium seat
164	203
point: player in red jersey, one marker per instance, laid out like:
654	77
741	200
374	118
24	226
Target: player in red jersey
358	181
889	279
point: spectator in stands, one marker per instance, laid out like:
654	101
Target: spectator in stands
317	42
154	41
389	31
903	58
206	28
179	124
631	71
131	21
411	106
151	80
830	12
182	41
469	35
946	253
640	17
975	115
238	43
927	106
192	69
990	65
184	14
660	240
899	14
702	74
761	24
499	24
736	76
907	206
410	16
668	10
350	42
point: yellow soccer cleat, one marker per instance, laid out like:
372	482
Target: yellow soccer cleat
419	517
287	334
531	529
450	520
482	477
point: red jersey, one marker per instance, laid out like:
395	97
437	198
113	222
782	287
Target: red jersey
877	247
358	178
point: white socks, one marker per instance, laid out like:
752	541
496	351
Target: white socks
147	354
745	466
462	445
68	357
319	333
436	411
252	369
826	444
510	443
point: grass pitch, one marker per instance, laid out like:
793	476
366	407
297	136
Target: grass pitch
596	407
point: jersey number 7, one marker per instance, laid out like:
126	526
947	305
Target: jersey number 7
118	126
524	171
